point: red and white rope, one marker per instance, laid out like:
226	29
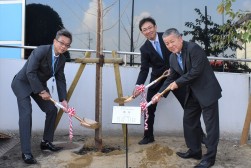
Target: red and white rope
71	112
143	104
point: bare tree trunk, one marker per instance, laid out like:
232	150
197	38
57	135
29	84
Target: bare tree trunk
99	54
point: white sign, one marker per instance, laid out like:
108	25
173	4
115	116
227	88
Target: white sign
126	115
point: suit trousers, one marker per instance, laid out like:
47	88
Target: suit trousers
25	120
192	132
179	94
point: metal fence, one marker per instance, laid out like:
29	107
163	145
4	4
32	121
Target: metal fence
128	55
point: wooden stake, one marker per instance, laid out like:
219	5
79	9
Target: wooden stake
246	127
98	97
72	87
119	91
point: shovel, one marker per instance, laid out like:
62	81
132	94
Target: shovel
161	94
88	123
126	99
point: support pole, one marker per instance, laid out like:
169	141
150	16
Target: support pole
246	127
119	90
72	87
98	97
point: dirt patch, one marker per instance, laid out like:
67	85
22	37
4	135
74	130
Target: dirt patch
108	150
160	154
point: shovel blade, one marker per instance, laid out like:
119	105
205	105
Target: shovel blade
121	100
88	123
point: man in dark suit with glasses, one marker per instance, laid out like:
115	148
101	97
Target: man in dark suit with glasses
45	61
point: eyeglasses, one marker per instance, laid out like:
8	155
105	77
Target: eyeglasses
63	44
146	29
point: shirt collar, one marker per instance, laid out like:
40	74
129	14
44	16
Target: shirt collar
156	39
53	52
178	54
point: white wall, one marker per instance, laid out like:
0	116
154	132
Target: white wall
233	104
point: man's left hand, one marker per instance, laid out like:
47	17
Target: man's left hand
173	86
65	104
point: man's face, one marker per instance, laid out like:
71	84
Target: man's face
174	43
149	30
61	44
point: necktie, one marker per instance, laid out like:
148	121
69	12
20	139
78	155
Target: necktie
54	64
157	46
179	59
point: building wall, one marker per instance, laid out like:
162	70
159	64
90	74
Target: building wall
233	104
245	53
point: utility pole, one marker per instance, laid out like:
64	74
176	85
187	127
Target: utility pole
223	22
132	47
119	29
89	40
206	33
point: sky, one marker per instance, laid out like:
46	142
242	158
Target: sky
79	17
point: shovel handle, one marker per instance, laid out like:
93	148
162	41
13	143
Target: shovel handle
62	107
166	90
83	123
165	74
57	104
161	94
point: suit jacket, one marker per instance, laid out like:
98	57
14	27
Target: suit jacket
151	58
33	77
197	75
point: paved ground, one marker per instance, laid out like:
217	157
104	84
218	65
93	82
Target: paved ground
7	142
160	154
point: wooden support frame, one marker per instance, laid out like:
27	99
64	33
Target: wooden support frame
246	127
97	60
72	87
116	61
119	90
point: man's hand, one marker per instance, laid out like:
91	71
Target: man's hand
135	92
156	98
45	95
65	104
173	86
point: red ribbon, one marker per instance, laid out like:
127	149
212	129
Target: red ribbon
140	88
71	112
144	110
143	106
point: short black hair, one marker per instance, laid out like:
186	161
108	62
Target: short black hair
63	32
146	19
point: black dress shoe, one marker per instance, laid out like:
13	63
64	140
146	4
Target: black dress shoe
146	140
205	164
28	158
46	145
190	154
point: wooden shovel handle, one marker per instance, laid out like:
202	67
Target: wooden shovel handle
165	74
93	125
161	94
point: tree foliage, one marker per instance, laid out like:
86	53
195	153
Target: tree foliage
239	28
215	41
41	25
204	31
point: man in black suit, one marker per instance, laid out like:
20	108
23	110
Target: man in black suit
159	63
190	69
45	61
